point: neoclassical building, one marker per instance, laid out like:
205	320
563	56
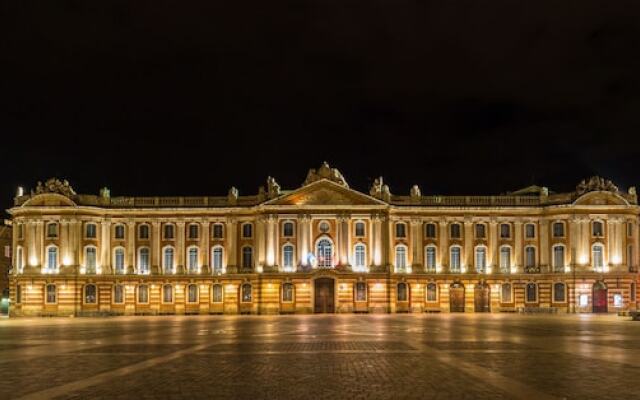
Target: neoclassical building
324	247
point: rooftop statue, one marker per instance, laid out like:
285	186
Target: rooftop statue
54	185
325	172
594	184
273	188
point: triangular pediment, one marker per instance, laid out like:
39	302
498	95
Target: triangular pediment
325	193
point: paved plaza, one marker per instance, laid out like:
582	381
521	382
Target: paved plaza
468	356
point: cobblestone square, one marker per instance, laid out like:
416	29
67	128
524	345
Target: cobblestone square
415	356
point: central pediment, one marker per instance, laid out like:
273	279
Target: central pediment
325	193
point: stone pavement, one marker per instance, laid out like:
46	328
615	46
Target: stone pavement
449	356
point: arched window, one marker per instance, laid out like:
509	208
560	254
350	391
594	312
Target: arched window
247	257
118	260
247	230
598	257
143	232
51	293
218	231
216	259
119	232
90	294
559	292
505	231
454	261
481	259
401	230
287	229
90	256
143	260
455	231
118	294
402	292
287	257
530	231
167	293
19	259
597	228
324	253
52	230
558	229
530	257
505	293
430	254
360	229
167	260
360	256
193	260
361	291
90	231
194	231
246	293
558	258
192	293
143	294
430	231
287	292
531	293
432	292
169	231
401	258
216	293
505	259
52	258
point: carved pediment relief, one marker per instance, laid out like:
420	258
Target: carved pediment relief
325	193
601	199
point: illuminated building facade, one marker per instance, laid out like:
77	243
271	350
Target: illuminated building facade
324	247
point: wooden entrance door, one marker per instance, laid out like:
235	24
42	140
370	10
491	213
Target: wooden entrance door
324	296
456	298
482	297
599	298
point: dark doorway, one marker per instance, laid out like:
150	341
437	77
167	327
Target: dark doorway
599	297
482	298
456	297
324	296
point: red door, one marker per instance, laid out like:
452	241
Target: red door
599	298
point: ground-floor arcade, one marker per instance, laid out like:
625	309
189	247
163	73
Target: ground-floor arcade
319	292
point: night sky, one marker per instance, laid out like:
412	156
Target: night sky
190	98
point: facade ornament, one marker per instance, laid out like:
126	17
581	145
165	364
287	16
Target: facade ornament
273	188
544	191
386	193
594	184
232	197
376	188
262	194
105	192
632	191
54	185
415	193
325	172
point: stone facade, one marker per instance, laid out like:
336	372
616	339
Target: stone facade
324	247
5	259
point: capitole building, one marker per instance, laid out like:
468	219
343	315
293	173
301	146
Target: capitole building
324	248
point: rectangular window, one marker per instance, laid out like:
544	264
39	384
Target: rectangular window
432	292
532	293
558	229
559	293
217	231
90	260
430	258
91	231
455	231
401	230
287	293
247	230
52	230
505	231
119	232
143	294
143	232
430	231
193	231
558	258
506	293
287	229
359	229
455	259
193	293
598	229
118	294
530	231
51	294
618	300
217	293
361	291
480	231
168	231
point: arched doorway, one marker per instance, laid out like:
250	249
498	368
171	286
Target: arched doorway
482	297
456	297
324	289
600	297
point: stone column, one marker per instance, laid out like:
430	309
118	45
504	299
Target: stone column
231	239
544	245
343	257
416	244
574	241
105	247
76	227
65	245
517	226
270	228
180	245
494	247
260	241
389	239
155	250
303	245
585	242
443	241
131	246
40	242
378	251
205	247
469	262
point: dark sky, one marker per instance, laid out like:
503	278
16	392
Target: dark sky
461	97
